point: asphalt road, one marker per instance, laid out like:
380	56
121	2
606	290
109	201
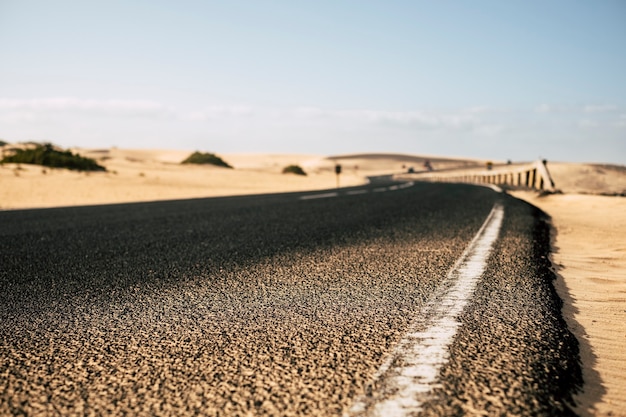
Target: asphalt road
273	305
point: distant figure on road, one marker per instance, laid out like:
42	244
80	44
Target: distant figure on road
427	165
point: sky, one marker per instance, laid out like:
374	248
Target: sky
518	79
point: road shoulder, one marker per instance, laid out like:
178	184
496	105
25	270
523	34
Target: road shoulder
589	255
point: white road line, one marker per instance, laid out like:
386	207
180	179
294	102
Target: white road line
401	186
356	192
406	185
360	191
314	196
495	188
411	372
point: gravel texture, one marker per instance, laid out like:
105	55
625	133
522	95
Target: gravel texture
269	305
514	355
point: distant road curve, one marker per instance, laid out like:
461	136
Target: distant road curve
285	304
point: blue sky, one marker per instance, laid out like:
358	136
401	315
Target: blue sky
489	79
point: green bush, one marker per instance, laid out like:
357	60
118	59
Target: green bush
2	143
293	169
46	155
205	158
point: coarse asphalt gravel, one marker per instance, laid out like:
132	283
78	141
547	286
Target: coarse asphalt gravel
271	305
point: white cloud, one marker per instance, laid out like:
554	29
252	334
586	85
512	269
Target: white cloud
479	119
565	108
219	112
144	108
409	119
481	110
603	108
621	121
461	119
544	108
16	117
587	123
490	130
469	129
309	112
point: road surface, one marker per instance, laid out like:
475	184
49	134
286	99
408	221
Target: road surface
387	299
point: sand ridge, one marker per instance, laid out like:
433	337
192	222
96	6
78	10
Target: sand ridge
148	175
157	174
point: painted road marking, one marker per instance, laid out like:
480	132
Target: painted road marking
494	188
411	372
356	192
314	196
359	191
406	185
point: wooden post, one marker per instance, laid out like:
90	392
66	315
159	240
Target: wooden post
337	172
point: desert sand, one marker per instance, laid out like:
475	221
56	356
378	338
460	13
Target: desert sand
589	255
147	175
589	246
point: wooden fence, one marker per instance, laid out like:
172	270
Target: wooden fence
533	175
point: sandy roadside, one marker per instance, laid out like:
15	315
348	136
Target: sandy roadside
589	253
150	175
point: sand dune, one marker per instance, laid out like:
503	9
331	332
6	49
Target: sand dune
589	248
598	179
153	174
146	175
